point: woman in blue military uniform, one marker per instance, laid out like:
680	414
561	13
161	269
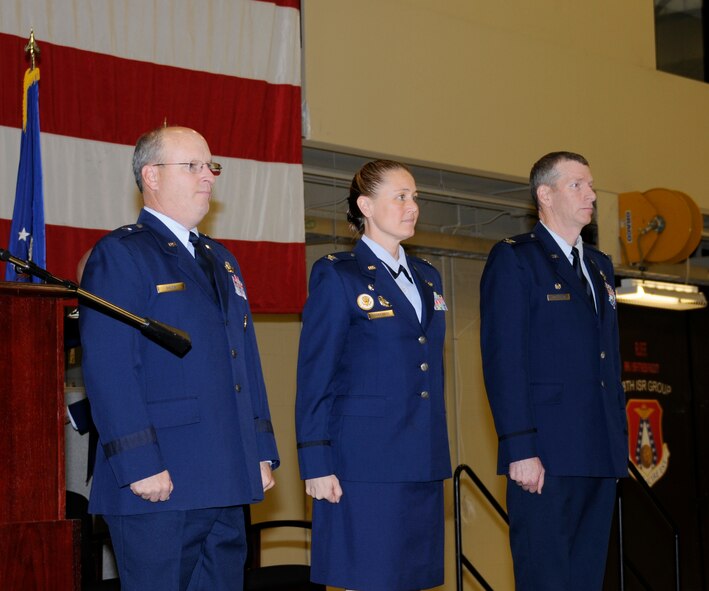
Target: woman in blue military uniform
370	412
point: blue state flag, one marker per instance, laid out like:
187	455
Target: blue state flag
27	239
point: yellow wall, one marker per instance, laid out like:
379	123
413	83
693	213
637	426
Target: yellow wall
277	337
491	86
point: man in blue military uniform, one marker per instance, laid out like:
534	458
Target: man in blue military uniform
549	338
184	442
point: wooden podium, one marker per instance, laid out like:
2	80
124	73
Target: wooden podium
39	548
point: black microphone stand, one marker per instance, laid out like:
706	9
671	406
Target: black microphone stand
173	339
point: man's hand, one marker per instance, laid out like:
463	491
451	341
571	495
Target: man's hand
529	474
324	487
153	488
267	479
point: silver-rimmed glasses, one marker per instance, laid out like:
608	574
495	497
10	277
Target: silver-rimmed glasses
195	166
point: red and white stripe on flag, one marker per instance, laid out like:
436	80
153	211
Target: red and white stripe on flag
228	68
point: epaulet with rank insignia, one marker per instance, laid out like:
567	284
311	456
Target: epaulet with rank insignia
595	249
520	239
127	230
423	260
336	257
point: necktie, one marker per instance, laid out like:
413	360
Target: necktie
204	259
395	274
579	271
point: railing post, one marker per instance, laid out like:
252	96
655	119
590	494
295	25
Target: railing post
460	558
621	556
458	534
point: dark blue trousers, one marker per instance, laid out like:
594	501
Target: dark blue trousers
559	539
197	550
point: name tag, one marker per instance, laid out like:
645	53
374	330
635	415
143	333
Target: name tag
168	287
380	314
558	297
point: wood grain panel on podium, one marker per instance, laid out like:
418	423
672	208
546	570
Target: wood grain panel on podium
36	542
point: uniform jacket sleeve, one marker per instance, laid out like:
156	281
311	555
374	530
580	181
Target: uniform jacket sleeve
322	341
112	366
504	316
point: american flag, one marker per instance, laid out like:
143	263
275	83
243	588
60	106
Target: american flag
111	70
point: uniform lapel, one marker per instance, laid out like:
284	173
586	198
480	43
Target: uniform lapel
171	246
599	283
383	282
562	265
220	276
425	288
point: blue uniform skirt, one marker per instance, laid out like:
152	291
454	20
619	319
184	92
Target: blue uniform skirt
381	536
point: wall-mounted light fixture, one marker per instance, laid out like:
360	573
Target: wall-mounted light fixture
659	294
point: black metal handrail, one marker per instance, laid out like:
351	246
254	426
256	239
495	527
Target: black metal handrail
645	487
460	558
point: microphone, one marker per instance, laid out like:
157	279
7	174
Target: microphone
168	337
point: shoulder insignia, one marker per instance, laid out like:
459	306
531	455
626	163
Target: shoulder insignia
520	239
595	249
127	230
416	259
336	257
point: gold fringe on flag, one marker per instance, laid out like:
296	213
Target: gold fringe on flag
31	76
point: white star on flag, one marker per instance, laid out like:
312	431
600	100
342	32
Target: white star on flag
24	234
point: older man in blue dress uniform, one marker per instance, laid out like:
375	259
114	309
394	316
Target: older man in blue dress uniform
184	442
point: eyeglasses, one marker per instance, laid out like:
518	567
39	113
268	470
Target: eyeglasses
195	166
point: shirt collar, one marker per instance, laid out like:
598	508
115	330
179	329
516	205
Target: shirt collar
383	255
563	245
180	232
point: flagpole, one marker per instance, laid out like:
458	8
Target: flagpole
27	238
33	49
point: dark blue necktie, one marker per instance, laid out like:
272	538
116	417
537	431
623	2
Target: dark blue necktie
401	270
204	259
581	276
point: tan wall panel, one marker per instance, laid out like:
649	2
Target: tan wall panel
278	344
490	86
